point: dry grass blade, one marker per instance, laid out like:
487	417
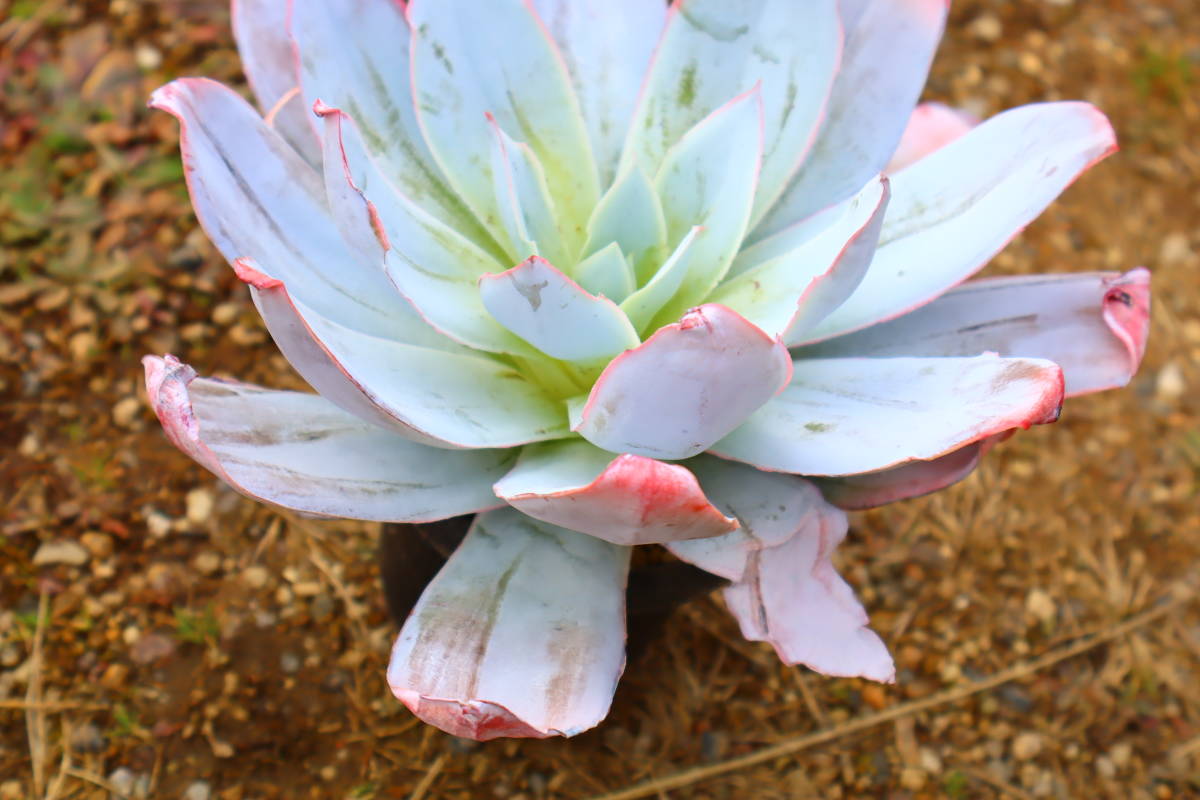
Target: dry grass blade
789	747
50	705
428	778
35	717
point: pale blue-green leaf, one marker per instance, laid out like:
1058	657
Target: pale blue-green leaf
889	46
606	272
301	452
354	55
713	50
631	215
956	208
527	211
554	314
708	180
607	46
522	633
471	58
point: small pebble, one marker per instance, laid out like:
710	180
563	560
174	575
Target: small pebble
199	506
256	577
63	551
1121	753
289	663
158	524
198	790
122	779
1041	606
100	545
151	647
126	411
87	739
1105	768
114	677
912	778
1170	385
207	563
1026	746
986	28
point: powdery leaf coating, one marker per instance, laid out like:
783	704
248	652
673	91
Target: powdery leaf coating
625	499
299	451
843	416
685	387
1092	324
522	633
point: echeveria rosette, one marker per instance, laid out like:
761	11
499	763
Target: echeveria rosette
606	273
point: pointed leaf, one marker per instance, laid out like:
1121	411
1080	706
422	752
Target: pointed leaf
625	500
471	58
844	416
370	81
644	304
630	215
524	203
931	127
794	599
269	61
914	479
301	452
462	399
554	314
684	388
889	47
713	50
522	633
708	180
607	46
793	291
434	267
607	273
771	508
257	199
955	209
1093	325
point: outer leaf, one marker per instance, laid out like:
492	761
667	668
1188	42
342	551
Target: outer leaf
299	451
461	400
790	293
527	211
850	415
434	267
607	46
522	633
955	209
261	32
793	598
631	215
625	500
889	47
685	387
369	79
708	180
713	50
554	314
914	479
469	58
1093	325
770	506
257	199
931	127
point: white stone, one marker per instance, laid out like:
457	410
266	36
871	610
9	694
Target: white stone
63	551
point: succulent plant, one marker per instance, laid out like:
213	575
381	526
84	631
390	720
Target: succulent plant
607	273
